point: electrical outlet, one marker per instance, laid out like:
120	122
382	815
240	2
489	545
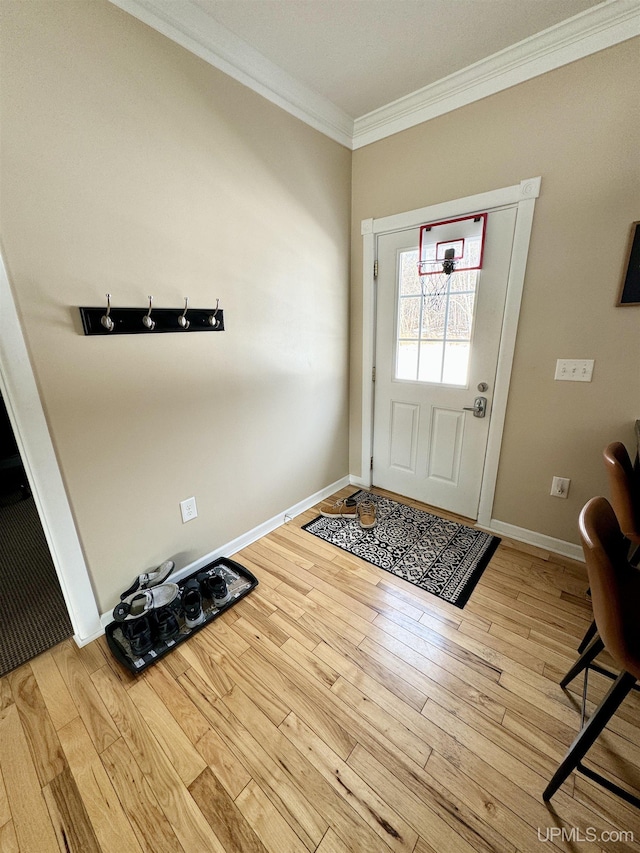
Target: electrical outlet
188	509
574	369
560	487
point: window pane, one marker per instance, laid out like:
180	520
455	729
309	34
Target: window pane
407	360
456	362
430	361
434	285
433	316
409	320
464	280
460	316
472	252
409	278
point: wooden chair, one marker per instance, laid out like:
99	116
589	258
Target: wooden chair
624	488
615	594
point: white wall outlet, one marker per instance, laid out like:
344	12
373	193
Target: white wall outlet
560	487
574	369
188	509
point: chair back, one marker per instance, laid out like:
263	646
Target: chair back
615	585
625	490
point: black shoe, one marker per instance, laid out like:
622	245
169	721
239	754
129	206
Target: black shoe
166	625
214	587
192	604
219	590
203	581
138	633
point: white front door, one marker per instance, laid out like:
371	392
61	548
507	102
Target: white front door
435	353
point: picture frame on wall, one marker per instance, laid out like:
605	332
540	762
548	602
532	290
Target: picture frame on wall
630	286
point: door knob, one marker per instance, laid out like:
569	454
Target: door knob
479	407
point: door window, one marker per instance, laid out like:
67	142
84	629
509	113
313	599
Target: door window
434	323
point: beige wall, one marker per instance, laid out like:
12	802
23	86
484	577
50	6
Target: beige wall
578	128
131	166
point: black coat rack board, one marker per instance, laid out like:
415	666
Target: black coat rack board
150	320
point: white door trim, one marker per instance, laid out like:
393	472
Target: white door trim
20	393
523	195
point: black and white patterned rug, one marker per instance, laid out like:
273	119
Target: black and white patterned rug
440	556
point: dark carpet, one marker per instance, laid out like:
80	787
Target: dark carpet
33	615
438	555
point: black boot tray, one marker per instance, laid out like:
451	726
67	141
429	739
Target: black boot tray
240	582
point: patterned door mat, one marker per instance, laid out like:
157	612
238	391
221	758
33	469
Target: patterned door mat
438	555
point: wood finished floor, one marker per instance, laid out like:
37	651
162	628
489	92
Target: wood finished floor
336	708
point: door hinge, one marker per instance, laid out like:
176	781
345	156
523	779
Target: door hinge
371	467
373	374
375	268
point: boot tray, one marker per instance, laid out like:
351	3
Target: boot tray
240	582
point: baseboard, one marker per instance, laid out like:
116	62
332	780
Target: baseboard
84	641
239	543
360	482
538	540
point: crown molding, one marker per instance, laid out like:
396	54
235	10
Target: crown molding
602	26
185	23
190	27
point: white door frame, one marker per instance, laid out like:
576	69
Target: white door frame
522	195
24	408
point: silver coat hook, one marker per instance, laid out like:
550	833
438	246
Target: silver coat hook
213	320
106	320
146	320
182	319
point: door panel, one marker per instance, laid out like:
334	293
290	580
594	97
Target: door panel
405	419
426	445
445	446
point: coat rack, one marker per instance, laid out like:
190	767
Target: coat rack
149	320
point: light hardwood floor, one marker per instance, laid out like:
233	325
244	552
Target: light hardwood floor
336	708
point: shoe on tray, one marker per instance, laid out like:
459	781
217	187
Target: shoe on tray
219	590
345	508
138	633
148	579
142	602
192	604
165	624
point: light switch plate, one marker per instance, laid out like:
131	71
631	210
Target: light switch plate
574	369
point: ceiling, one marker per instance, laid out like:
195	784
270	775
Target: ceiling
363	54
353	68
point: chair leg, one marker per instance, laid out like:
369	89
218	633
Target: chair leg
593	649
586	737
591	630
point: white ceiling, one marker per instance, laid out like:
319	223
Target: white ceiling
363	54
361	69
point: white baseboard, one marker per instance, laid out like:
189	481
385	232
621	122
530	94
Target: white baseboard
84	641
238	544
360	483
538	540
